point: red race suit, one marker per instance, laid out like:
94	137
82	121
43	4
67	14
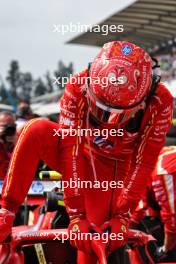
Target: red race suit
130	158
127	157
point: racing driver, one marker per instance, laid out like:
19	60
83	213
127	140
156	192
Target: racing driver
132	99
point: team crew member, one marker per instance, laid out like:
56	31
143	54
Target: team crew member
23	114
133	100
163	186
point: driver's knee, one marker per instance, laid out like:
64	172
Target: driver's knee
38	128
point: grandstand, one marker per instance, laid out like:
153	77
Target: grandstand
150	24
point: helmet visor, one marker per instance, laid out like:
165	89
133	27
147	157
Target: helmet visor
102	113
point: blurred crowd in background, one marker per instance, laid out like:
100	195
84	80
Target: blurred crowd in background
18	85
168	65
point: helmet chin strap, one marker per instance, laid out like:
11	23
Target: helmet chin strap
88	140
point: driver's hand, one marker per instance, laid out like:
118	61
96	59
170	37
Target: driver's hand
117	228
78	230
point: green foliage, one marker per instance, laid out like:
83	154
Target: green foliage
13	77
40	87
22	85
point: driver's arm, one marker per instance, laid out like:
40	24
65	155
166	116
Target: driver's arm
147	150
72	118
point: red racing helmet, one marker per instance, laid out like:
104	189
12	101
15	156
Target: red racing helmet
120	79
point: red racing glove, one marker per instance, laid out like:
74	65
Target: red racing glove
78	230
6	223
117	228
